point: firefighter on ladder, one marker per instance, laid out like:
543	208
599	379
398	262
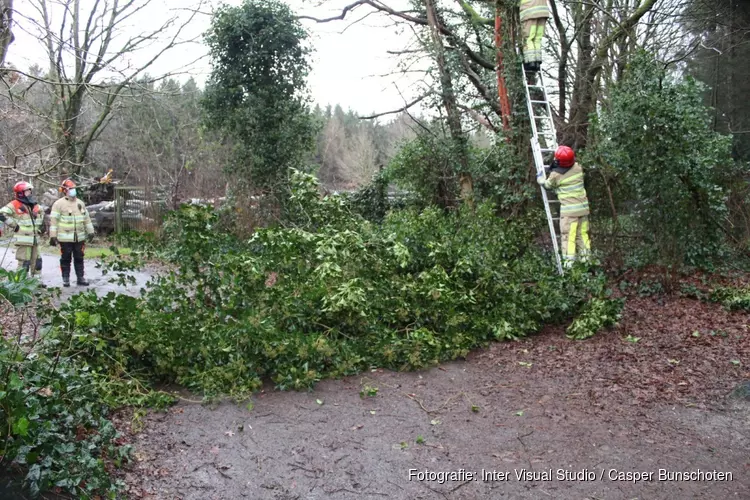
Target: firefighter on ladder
566	180
534	15
70	225
24	216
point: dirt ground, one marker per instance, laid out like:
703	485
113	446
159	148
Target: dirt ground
599	419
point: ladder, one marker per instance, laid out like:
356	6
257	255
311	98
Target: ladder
542	125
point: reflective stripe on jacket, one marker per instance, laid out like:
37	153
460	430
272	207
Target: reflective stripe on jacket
69	220
570	191
29	228
534	9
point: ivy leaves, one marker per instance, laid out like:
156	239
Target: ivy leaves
672	169
256	95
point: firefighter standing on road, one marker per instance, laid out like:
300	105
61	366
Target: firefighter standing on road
534	15
70	225
566	179
24	216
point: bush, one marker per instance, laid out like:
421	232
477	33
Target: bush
54	431
426	168
671	171
596	314
53	424
732	298
329	296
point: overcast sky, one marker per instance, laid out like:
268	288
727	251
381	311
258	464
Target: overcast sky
344	64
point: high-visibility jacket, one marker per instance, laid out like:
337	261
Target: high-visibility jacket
534	9
69	220
29	222
570	191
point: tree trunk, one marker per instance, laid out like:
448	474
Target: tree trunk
6	34
591	60
575	132
451	108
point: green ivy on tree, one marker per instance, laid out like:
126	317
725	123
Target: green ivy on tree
256	94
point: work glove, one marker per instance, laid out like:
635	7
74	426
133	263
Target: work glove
53	242
2	217
540	178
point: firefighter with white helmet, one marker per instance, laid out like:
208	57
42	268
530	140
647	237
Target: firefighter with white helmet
70	226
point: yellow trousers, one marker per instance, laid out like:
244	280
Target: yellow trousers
533	34
574	238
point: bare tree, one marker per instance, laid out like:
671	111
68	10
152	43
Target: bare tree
90	55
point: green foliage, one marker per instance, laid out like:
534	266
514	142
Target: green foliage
53	424
671	169
371	201
16	287
330	295
255	93
502	177
598	313
426	167
732	298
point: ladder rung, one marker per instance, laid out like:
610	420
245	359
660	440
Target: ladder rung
534	86
539	117
538	102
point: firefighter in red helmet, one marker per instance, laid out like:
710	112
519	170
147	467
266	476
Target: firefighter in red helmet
566	180
24	216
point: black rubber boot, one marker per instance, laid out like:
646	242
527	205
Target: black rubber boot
78	265
66	281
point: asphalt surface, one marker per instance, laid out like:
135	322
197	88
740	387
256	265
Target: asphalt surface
50	274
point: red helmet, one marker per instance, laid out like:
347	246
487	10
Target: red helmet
67	184
565	156
21	187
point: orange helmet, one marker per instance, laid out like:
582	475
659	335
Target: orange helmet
565	156
66	184
21	187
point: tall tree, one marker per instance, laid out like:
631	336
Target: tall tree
450	103
91	49
256	93
6	33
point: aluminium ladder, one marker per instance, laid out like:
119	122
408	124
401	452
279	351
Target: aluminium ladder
542	125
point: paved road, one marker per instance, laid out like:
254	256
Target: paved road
52	278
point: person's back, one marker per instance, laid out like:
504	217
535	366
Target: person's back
568	185
567	181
